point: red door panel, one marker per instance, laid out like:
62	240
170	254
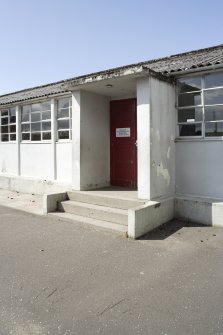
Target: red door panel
123	138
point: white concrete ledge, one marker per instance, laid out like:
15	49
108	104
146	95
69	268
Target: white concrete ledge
50	201
200	210
145	218
32	185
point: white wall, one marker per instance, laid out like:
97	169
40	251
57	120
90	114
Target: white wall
199	168
64	161
143	138
83	163
95	141
155	136
162	136
8	158
76	141
37	160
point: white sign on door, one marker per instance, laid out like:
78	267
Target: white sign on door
123	132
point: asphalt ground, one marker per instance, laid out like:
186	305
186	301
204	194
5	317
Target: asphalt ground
63	278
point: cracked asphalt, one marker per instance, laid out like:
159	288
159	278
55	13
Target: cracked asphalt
63	278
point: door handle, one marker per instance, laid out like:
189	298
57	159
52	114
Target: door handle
136	143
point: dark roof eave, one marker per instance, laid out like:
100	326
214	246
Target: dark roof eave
35	97
193	69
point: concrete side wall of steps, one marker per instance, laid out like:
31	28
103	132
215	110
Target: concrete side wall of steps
138	220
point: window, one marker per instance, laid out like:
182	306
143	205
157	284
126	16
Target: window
200	106
36	122
8	125
64	119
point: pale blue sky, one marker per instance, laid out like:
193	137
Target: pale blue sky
43	41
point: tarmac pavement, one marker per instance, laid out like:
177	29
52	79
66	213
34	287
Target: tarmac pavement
62	278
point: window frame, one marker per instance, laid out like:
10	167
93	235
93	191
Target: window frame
41	121
69	118
9	124
202	106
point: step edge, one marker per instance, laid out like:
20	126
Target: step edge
81	204
108	197
95	222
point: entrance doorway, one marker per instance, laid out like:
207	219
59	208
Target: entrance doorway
123	136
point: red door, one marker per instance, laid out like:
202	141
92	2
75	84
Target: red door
123	143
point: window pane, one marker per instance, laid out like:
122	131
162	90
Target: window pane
189	84
214	113
63	135
12	119
35	126
12	115
47	136
190	114
63	103
190	99
25	115
35	117
35	136
214	129
63	124
35	108
26	136
5	137
4	112
46	125
63	113
214	80
190	129
46	115
12	137
12	129
26	108
12	111
4	129
4	120
26	127
213	97
46	106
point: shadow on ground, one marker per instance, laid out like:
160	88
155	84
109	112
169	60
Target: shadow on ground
168	229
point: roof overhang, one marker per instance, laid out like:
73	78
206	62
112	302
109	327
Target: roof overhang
121	81
194	70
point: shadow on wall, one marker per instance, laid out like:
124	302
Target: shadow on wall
170	228
114	188
3	168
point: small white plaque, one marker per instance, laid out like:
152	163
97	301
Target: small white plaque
123	132
190	120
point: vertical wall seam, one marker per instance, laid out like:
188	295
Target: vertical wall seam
18	138
53	137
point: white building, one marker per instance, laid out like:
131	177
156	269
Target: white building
155	126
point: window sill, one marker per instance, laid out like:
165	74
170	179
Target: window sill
64	141
35	142
200	139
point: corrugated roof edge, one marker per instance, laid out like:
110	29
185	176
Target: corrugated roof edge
114	69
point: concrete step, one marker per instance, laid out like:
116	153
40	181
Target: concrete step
104	200
85	220
115	215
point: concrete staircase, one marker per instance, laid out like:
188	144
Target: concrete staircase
96	209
